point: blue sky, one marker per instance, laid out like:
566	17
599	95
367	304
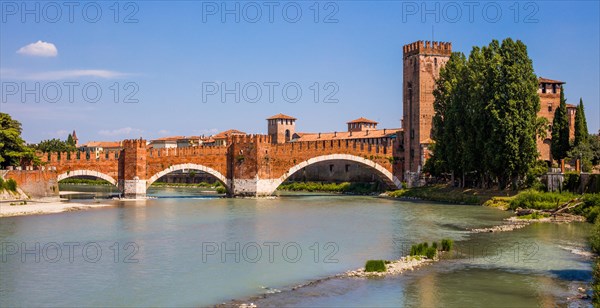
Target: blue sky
167	55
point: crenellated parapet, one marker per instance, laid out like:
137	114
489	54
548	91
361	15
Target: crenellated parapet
428	48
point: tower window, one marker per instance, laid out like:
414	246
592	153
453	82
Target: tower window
543	88
553	88
550	107
435	62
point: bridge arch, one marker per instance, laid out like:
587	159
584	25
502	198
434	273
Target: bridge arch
85	172
220	177
387	176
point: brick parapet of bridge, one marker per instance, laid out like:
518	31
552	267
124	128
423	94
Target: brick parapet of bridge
284	156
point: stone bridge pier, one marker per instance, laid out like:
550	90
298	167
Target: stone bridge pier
132	169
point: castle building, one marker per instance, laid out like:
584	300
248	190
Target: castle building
422	62
281	128
421	67
549	93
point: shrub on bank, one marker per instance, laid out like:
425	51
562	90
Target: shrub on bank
221	190
375	266
10	184
532	199
447	244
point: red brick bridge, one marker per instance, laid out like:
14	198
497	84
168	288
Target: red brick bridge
249	165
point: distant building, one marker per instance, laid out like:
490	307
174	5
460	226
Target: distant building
220	139
165	142
94	148
282	129
549	93
75	139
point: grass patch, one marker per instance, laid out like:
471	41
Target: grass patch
201	184
84	181
221	190
532	199
375	266
534	215
10	185
447	244
499	202
344	187
444	193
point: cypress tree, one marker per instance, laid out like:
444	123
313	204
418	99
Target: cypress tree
560	130
581	131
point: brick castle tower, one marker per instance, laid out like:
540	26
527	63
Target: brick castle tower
421	67
281	128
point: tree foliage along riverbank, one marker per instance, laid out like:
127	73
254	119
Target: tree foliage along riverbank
485	123
13	151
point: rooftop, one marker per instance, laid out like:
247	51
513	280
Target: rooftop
363	120
373	133
546	80
227	133
102	144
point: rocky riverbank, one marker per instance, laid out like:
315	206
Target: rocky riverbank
515	222
395	267
35	207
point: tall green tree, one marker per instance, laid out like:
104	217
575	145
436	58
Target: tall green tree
560	130
13	151
581	130
449	112
485	122
70	141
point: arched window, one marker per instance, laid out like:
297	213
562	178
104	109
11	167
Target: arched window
287	135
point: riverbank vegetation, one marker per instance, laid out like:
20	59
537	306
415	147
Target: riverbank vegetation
10	185
78	181
344	187
375	266
13	150
200	184
595	245
444	193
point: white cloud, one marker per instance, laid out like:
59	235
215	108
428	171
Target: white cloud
163	132
206	132
61	134
125	131
58	75
39	49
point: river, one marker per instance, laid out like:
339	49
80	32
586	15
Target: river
188	248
